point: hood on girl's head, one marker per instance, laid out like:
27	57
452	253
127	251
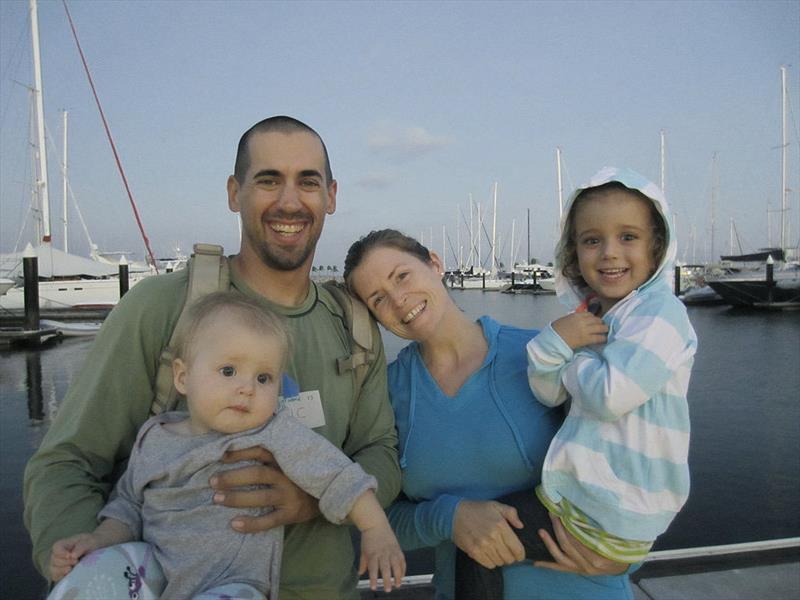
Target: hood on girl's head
573	295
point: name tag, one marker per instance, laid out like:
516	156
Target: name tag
306	407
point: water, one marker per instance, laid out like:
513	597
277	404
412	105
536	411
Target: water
31	384
744	399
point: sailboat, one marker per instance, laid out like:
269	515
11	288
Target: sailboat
476	277
65	280
769	278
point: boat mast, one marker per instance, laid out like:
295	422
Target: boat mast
471	235
444	248
513	248
769	226
528	257
560	187
713	202
64	187
784	144
494	229
730	238
663	164
41	183
480	232
459	249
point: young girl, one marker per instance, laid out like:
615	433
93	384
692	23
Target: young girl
229	365
616	473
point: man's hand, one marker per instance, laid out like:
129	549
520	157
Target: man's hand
483	531
581	329
291	504
573	557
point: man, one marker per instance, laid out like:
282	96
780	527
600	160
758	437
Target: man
283	189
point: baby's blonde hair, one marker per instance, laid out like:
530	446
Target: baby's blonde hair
248	311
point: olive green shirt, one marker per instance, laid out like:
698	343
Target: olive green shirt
69	478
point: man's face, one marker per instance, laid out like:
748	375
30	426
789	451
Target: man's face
283	199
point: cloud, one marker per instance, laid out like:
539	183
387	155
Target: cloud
404	144
376	181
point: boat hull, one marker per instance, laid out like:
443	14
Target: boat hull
757	292
69	293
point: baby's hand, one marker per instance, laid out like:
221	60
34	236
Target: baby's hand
581	329
381	556
67	552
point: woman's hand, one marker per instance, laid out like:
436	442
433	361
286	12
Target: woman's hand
482	529
290	503
573	557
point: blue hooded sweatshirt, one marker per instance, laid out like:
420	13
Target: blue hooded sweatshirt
621	454
486	441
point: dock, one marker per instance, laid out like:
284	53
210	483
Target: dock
754	571
23	336
16	331
11	317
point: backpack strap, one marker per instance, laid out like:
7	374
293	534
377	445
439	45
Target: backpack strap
359	327
208	272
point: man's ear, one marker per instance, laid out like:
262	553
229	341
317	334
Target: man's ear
233	189
333	188
179	371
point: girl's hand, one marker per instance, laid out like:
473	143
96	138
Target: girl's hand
67	552
581	329
382	557
573	557
483	530
274	489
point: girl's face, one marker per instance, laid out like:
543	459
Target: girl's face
614	242
404	294
232	377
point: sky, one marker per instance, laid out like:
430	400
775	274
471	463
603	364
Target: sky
422	105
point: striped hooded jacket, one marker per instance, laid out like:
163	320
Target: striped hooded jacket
621	454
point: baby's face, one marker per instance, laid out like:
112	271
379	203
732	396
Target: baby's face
232	379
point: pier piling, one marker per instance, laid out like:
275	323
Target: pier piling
770	277
30	270
123	277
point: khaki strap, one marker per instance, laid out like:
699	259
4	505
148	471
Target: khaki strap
208	272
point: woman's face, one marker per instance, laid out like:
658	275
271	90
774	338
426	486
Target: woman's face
404	293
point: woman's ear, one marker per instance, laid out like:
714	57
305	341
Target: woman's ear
179	371
437	263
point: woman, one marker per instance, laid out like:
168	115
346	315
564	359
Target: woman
470	430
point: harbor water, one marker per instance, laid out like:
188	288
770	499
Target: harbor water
744	399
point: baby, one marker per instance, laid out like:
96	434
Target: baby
230	361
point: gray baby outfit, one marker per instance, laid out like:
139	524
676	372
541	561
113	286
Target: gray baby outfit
165	499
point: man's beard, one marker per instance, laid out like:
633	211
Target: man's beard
272	254
276	259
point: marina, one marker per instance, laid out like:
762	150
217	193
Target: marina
744	450
739	534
